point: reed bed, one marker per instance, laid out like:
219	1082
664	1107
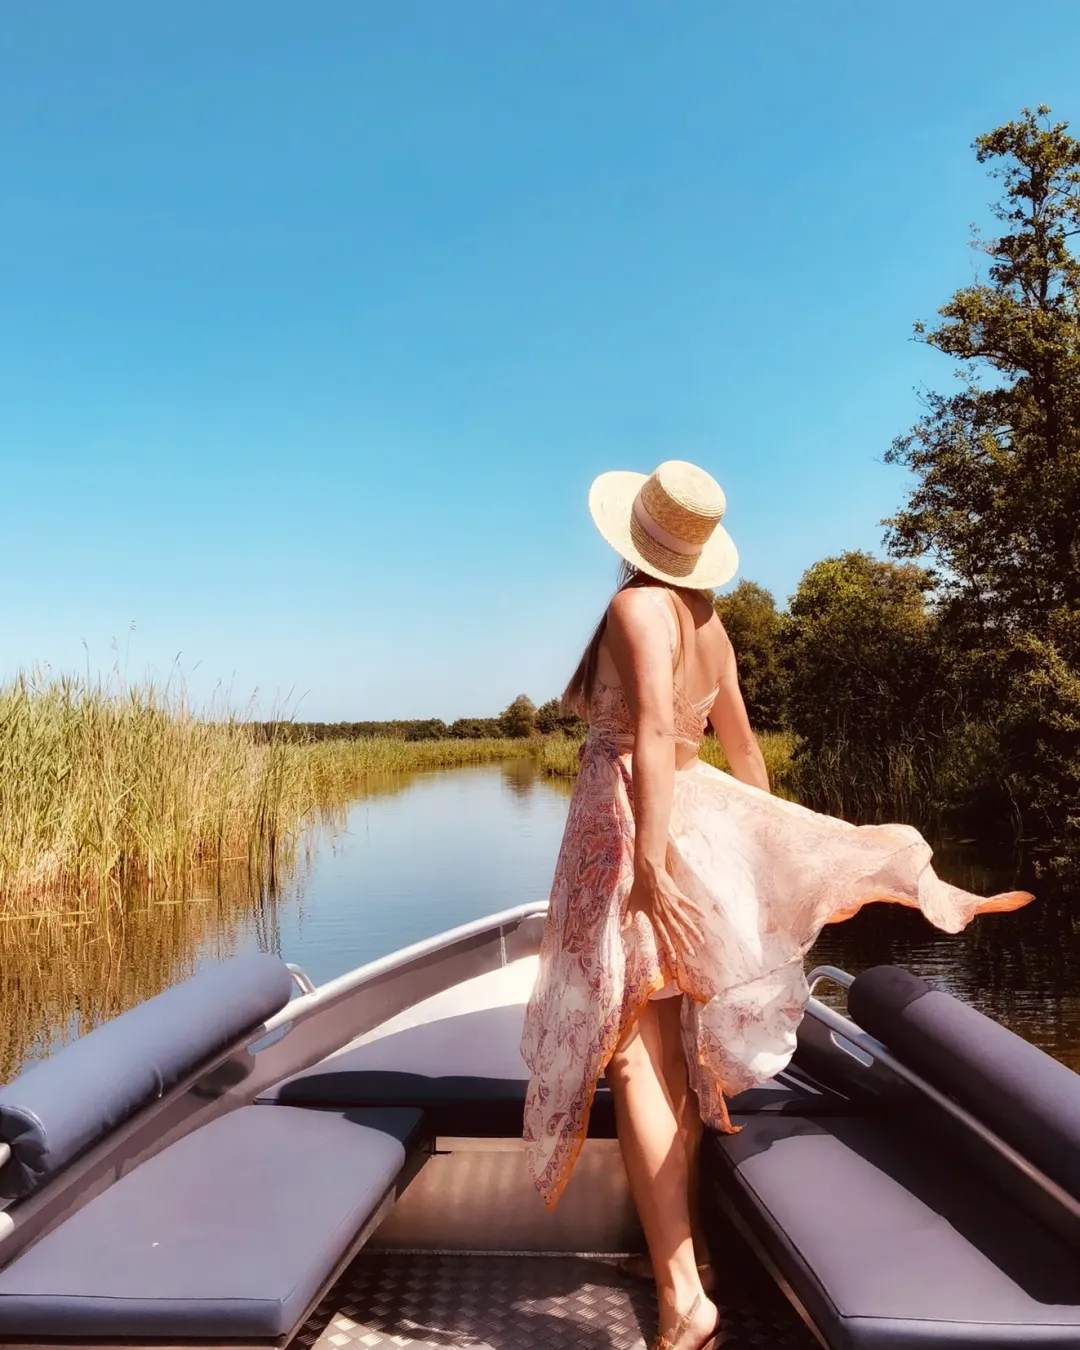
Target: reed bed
869	785
335	769
103	788
100	788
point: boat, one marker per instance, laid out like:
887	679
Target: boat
248	1160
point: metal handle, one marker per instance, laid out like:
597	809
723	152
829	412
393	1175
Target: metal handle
300	975
874	1049
833	973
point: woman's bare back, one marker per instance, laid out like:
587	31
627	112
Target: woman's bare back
703	647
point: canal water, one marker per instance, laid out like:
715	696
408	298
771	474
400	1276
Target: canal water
424	853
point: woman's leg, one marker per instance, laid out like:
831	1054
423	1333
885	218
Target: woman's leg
687	1112
656	1165
688	1117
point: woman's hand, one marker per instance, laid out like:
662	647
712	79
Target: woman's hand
675	918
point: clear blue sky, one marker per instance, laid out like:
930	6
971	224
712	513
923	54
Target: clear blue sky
318	320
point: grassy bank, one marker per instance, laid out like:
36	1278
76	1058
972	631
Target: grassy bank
334	769
558	756
101	789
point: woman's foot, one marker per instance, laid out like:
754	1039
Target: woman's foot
639	1267
697	1329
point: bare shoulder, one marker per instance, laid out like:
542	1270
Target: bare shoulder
725	652
638	606
641	617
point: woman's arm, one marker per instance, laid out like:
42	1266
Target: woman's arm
638	641
732	726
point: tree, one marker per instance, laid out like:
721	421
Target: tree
755	627
551	718
860	650
519	719
547	717
997	464
996	502
1039	740
862	661
474	728
433	729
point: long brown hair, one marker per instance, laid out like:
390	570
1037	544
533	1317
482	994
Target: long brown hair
579	691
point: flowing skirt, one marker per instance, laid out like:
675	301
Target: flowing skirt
767	875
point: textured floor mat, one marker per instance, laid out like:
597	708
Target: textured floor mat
517	1303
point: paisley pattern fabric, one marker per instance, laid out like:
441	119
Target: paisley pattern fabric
767	875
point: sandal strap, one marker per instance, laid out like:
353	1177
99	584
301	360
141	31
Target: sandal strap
670	1342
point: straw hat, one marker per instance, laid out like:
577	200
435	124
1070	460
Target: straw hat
667	524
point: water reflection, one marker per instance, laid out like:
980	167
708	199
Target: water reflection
1022	969
417	854
521	777
64	973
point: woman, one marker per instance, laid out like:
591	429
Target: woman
684	899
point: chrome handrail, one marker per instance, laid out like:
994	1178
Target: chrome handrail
869	1045
300	977
833	973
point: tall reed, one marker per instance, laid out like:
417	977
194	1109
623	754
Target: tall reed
102	787
868	785
335	769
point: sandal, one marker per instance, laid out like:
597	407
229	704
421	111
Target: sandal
711	1342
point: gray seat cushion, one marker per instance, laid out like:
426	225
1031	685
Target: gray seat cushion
60	1107
433	1066
229	1233
889	1246
1031	1100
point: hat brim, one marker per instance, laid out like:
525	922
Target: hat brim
611	505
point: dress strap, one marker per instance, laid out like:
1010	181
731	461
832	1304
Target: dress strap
660	597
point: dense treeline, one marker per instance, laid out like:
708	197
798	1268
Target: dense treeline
944	685
522	718
415	729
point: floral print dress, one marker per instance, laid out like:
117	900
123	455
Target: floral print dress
767	875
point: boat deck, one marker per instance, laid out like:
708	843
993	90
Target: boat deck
492	1302
397	1293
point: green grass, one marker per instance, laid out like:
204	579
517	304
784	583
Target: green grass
778	749
558	755
867	785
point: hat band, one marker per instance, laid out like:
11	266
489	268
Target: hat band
661	536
